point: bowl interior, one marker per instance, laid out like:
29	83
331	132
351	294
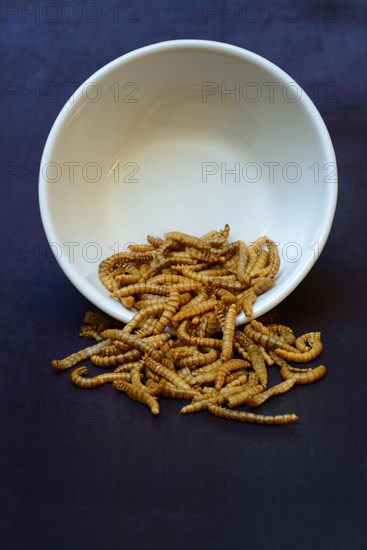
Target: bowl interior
187	136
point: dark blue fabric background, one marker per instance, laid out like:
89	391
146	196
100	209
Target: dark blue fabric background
91	470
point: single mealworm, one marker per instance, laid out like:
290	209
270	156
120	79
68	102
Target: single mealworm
178	393
160	290
241	350
263	284
135	342
274	259
196	309
82	355
198	359
259	269
138	394
162	371
189	340
222	282
228	333
269	342
300	376
282	387
202	404
127	279
244	394
78	378
188	240
115	360
303	357
256	359
241	265
168	279
242	416
109	350
234	382
90	333
248	300
268	360
276	331
169	311
143	314
140	247
227	367
253	252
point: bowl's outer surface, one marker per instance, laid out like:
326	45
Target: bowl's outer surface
187	135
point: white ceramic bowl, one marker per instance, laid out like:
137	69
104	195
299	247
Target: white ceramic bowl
187	135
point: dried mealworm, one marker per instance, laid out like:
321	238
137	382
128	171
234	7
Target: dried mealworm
243	395
135	342
162	371
143	314
189	340
170	309
241	350
78	378
206	368
242	416
139	395
269	342
188	240
155	388
185	374
233	381
242	259
82	355
268	360
283	387
269	318
97	321
127	367
202	404
227	282
228	333
256	359
147	328
115	360
198	359
197	309
228	366
260	265
178	393
247	302
90	333
303	357
127	279
300	376
274	259
140	247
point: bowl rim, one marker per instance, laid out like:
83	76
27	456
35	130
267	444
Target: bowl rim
87	290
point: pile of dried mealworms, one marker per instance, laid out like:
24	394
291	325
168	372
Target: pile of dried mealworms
196	286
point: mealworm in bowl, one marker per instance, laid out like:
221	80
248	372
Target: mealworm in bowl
186	135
